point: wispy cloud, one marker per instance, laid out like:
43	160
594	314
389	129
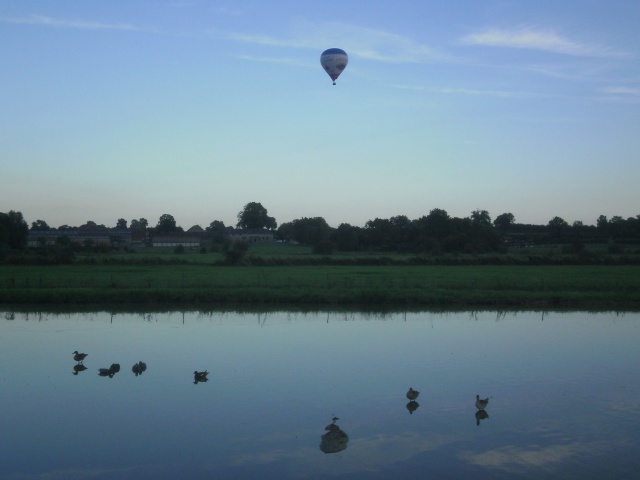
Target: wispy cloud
358	41
278	60
538	39
632	92
42	20
472	91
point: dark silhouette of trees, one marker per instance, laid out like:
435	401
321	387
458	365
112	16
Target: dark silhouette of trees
558	229
504	222
167	224
13	230
216	226
433	234
254	215
347	238
308	231
40	225
215	231
141	224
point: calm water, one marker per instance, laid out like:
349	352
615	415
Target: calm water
563	389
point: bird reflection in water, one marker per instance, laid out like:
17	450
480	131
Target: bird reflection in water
78	368
481	404
109	372
335	440
138	368
200	377
412	406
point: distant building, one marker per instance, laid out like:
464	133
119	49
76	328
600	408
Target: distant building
250	235
191	238
115	237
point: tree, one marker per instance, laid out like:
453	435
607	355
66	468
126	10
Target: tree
480	218
122	224
91	225
504	222
602	225
166	224
216	226
13	230
311	231
139	224
216	231
40	225
254	215
347	237
558	228
436	224
378	234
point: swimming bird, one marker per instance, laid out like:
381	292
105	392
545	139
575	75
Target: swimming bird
79	357
138	368
200	376
481	403
412	394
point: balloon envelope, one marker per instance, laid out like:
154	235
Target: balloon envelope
334	61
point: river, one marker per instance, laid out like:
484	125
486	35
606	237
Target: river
295	395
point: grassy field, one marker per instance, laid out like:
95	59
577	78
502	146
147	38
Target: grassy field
201	282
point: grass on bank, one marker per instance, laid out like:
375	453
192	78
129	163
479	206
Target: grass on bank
614	287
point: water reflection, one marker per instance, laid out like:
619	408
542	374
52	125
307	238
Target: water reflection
78	368
335	440
275	379
109	372
481	415
412	406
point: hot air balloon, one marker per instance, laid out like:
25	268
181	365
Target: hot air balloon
334	61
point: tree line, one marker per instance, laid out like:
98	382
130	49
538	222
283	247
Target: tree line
434	233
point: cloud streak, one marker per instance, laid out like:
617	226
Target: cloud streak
632	92
473	92
366	43
42	20
542	40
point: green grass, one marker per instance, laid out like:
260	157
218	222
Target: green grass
583	287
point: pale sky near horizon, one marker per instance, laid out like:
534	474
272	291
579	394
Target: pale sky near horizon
130	109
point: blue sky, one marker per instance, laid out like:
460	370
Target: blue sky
130	109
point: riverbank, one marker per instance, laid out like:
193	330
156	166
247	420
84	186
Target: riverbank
588	287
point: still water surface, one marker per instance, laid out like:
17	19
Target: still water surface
563	389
